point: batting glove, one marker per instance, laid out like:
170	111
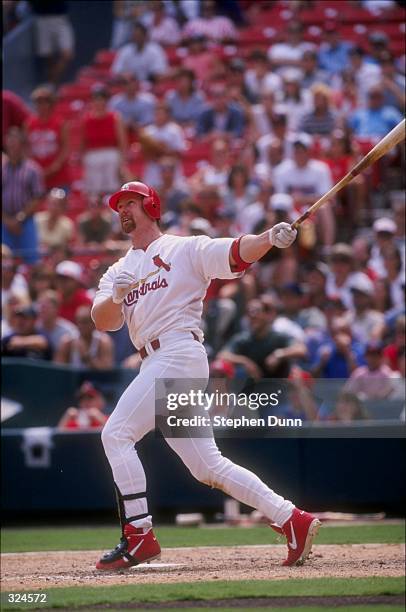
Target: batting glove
122	285
282	235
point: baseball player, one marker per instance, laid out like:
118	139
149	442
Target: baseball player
158	288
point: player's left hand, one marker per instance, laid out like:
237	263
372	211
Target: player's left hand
282	235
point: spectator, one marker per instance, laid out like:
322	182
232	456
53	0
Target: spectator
95	223
103	145
393	83
384	237
23	187
163	137
41	278
215	173
340	355
295	100
141	58
13	282
312	74
164	29
186	101
395	350
315	278
90	349
199	58
395	273
340	274
375	380
221	116
69	282
366	74
15	112
348	408
89	412
290	52
135	107
321	121
263	114
376	120
172	190
53	226
54	36
378	45
124	13
49	323
367	323
8	316
47	137
280	319
306	180
240	191
334	52
26	341
261	351
259	78
216	27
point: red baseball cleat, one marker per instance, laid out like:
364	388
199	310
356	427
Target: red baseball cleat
300	531
135	547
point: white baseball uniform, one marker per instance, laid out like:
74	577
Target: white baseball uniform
175	273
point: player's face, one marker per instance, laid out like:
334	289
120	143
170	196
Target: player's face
130	211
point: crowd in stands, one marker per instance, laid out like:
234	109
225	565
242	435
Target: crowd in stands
234	142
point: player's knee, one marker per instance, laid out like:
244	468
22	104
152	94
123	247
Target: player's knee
209	473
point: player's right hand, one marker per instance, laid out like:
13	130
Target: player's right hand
122	285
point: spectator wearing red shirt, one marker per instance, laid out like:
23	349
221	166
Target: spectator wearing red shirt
15	112
69	281
396	349
47	136
103	145
89	412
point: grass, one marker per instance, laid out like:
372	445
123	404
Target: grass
102	538
71	597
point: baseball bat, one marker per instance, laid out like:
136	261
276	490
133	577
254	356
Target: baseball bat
386	144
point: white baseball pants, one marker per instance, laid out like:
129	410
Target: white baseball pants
180	356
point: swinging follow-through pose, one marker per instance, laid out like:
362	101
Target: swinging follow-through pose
158	288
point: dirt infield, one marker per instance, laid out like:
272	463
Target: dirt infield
58	569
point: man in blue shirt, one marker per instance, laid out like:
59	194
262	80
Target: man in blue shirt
377	119
135	107
333	54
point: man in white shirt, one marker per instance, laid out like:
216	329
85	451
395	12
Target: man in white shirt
144	59
306	180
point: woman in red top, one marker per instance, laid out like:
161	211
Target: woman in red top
47	136
103	145
89	412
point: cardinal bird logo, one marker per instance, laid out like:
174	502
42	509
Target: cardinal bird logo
161	264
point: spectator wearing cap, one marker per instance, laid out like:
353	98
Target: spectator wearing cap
53	226
164	29
259	78
321	121
135	107
292	300
377	119
334	51
312	74
375	380
89	412
54	36
260	350
47	135
49	323
14	111
280	320
394	352
103	144
384	236
13	283
161	138
367	323
294	100
25	340
69	282
140	57
393	83
185	101
22	188
221	116
215	27
340	274
90	348
306	180
340	355
315	277
289	52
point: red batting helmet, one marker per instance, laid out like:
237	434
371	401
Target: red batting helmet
151	202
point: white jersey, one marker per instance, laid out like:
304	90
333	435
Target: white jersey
174	274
